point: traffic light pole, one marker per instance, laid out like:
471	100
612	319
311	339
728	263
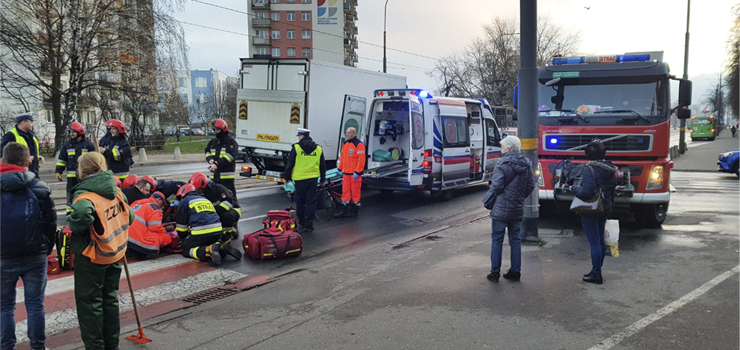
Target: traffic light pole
682	130
527	111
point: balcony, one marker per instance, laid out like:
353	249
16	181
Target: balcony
260	4
350	43
261	23
257	41
350	9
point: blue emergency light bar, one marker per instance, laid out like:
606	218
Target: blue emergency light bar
559	61
402	92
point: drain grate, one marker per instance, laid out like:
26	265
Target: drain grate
210	295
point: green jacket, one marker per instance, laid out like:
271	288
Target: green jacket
83	212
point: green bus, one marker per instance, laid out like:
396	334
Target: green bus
703	127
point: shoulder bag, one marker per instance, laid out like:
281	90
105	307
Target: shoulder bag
591	206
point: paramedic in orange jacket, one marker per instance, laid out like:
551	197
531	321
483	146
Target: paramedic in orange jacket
351	164
146	235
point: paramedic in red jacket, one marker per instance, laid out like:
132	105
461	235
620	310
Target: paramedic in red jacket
146	235
351	164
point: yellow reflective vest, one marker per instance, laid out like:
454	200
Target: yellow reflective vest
307	166
22	141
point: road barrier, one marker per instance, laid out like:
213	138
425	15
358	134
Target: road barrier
142	155
178	155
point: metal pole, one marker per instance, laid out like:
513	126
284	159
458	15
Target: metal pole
527	110
385	11
682	129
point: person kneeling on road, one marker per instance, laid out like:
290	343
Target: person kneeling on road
223	200
351	164
143	189
147	236
198	226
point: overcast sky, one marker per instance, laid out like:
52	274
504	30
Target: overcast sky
435	28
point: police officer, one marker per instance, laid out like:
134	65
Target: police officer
221	156
23	134
351	164
198	226
72	150
116	149
305	166
227	208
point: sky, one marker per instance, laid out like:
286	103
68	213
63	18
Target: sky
435	28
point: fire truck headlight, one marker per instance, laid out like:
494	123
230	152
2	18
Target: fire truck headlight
655	179
538	173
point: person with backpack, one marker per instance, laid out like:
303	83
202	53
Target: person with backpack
198	226
99	227
305	166
23	133
28	222
116	149
512	182
221	156
73	149
598	174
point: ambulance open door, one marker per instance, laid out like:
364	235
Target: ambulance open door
416	142
353	115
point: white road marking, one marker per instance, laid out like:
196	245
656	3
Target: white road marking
665	311
253	218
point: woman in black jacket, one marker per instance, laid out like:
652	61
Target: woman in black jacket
602	177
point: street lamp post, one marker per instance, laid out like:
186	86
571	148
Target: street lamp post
682	129
385	11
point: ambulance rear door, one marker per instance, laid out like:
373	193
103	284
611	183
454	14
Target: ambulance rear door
416	141
353	115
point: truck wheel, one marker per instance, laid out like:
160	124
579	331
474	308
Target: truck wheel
651	215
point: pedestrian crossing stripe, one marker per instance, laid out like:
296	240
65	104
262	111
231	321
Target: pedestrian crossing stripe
243	109
295	114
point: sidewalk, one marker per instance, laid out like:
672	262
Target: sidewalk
152	160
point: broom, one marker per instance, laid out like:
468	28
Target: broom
136	338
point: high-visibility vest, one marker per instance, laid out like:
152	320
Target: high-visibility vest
22	141
146	226
307	166
109	246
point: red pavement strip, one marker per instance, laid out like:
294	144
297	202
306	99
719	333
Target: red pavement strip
148	312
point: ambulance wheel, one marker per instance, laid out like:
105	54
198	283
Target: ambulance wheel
651	215
447	195
386	192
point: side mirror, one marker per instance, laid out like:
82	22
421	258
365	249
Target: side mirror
684	93
683	113
515	115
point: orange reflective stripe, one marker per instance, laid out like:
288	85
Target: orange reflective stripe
109	246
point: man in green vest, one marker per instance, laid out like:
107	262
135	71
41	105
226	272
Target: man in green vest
23	134
305	166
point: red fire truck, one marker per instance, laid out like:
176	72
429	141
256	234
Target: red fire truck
623	101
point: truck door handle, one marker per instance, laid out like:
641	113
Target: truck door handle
467	150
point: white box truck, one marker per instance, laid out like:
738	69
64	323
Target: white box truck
278	96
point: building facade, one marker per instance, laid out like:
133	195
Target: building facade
202	91
323	30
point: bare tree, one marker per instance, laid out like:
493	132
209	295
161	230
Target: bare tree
223	100
714	100
488	67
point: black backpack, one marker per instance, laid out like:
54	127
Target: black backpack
21	215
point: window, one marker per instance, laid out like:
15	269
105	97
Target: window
182	82
275	16
305	16
261	14
306	34
418	129
262	51
492	136
291	34
262	33
276	34
48	115
306	1
201	82
456	131
275	1
275	52
184	98
306	52
291	1
291	16
291	52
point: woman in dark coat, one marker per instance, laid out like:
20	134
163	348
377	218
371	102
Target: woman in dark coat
603	177
512	182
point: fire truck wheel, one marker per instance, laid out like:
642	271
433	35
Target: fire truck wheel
651	215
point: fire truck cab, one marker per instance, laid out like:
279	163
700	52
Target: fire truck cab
623	101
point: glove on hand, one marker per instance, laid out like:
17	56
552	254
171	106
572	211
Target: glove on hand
59	177
355	176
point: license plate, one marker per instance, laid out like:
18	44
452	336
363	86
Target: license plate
272	173
270	178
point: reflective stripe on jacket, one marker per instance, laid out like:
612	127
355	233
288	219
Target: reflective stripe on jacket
70	152
147	225
307	166
196	214
109	246
352	159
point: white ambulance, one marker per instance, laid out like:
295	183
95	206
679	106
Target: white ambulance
415	141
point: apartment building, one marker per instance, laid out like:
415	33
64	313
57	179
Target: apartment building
323	30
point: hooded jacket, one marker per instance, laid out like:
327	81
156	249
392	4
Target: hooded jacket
83	212
604	171
512	182
26	238
308	146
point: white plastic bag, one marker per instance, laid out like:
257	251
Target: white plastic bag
611	238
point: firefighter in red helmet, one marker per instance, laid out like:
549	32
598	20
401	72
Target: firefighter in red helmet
116	149
72	150
221	156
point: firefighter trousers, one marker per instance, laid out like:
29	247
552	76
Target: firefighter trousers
228	183
351	188
198	246
96	296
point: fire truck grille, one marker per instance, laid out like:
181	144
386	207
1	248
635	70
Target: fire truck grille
613	142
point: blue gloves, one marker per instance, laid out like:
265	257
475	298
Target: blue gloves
355	176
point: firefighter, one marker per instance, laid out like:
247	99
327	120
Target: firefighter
221	155
198	226
225	203
351	164
68	155
147	235
116	149
305	166
130	181
23	134
169	189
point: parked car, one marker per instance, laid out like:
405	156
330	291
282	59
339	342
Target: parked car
728	162
211	133
197	132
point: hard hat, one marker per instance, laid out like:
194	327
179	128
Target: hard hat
131	181
221	124
199	180
117	124
77	127
152	181
184	190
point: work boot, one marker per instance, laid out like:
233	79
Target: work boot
213	251
344	213
229	250
354	210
